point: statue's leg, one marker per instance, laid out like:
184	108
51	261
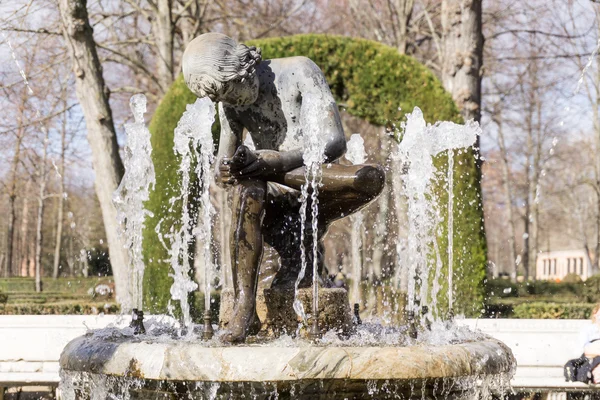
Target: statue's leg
345	190
281	230
246	251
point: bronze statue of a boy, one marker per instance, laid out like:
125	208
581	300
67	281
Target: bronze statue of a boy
265	98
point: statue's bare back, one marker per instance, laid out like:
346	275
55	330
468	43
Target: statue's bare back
274	119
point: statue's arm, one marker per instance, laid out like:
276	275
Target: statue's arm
229	140
271	164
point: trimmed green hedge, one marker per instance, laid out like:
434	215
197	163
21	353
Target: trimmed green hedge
509	308
540	310
63	285
59	309
591	289
370	81
504	288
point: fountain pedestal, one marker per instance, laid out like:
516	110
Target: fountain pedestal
149	367
334	311
275	309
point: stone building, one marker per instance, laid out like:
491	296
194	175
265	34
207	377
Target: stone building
555	265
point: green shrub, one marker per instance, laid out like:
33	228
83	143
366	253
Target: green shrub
370	81
539	310
572	278
563	291
498	310
64	285
501	288
591	289
59	309
535	288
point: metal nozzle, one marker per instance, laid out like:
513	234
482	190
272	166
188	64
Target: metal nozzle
357	319
137	322
412	327
208	331
315	332
426	322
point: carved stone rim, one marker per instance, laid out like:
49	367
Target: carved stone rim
187	361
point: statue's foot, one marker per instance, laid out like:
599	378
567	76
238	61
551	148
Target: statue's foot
240	327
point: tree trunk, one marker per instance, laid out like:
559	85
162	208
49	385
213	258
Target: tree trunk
595	265
31	252
61	200
71	258
10	234
462	49
163	28
39	234
39	238
85	266
526	235
108	166
24	248
403	10
512	249
12	195
596	124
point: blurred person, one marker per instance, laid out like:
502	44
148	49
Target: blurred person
586	367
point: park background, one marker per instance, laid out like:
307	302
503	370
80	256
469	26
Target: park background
529	72
535	67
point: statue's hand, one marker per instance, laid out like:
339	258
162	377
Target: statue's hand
223	176
246	163
228	169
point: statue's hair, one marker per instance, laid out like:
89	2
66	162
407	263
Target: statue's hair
213	59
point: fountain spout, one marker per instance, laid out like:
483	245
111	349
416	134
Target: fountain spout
137	322
412	327
315	332
426	321
357	319
208	331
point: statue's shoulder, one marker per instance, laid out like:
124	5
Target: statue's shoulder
294	65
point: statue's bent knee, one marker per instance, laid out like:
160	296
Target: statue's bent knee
370	180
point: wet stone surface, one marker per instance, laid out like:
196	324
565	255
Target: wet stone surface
88	386
276	312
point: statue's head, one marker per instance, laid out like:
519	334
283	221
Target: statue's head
216	66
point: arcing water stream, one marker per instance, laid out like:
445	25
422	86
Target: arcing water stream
355	153
134	190
314	155
420	143
193	143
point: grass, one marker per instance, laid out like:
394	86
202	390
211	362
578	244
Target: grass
59	296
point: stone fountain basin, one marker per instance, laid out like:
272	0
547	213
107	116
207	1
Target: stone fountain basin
150	359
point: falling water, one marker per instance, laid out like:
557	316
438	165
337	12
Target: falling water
193	142
450	226
134	190
420	143
355	153
203	230
313	156
587	66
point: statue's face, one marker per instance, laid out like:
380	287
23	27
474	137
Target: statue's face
237	93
